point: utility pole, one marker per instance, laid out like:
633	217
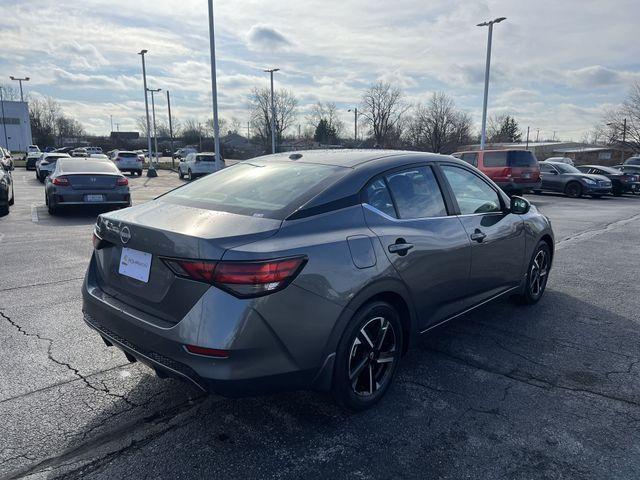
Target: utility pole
155	136
248	131
173	164
214	87
483	137
151	171
273	112
4	123
20	80
111	119
537	135
624	139
355	123
527	147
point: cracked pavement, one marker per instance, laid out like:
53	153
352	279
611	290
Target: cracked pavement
549	391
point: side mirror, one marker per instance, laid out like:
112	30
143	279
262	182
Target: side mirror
519	205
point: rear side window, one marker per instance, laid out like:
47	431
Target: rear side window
378	197
128	155
417	193
206	158
470	158
494	159
521	158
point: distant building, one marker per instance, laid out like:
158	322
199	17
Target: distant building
15	128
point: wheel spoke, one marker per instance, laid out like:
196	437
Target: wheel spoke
370	379
384	327
359	368
387	357
366	338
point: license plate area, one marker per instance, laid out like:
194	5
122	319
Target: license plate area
94	198
135	264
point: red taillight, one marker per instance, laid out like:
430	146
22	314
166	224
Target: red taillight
242	279
209	352
122	181
61	181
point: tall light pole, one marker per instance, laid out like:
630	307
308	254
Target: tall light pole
4	122
153	113
273	111
173	165
20	80
489	24
151	171
214	85
355	123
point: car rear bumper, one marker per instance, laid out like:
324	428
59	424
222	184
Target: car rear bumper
257	363
516	186
79	199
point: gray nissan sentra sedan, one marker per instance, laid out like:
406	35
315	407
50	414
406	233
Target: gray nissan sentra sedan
84	181
311	270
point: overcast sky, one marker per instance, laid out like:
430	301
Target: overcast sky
555	66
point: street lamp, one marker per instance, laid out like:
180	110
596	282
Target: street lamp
151	171
486	77
273	111
214	85
25	79
153	110
355	122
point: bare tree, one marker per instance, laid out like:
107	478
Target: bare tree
382	108
9	93
612	129
260	103
439	126
49	123
329	113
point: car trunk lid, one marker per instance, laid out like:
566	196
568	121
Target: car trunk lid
163	229
93	181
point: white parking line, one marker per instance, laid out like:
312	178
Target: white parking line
34	213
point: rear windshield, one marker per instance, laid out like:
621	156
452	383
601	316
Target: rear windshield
633	161
509	158
272	190
128	154
206	158
86	166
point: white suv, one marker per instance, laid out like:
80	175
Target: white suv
127	161
92	150
198	164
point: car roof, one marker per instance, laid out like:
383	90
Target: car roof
348	158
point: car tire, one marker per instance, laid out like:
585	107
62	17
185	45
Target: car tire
13	197
189	175
139	173
617	192
365	367
4	210
180	175
573	190
537	275
596	196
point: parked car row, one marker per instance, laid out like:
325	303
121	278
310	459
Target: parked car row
517	171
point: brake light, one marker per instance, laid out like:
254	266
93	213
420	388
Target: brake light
61	181
122	181
209	352
242	279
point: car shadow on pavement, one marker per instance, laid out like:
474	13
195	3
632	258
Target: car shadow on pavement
540	391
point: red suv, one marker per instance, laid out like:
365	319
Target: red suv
513	170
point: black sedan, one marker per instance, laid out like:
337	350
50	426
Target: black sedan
567	179
621	182
79	181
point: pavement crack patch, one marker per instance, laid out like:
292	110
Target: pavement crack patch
532	380
41	284
104	389
588	234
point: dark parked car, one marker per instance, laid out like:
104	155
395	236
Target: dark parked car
621	182
6	189
314	269
635	160
513	170
561	177
47	163
85	181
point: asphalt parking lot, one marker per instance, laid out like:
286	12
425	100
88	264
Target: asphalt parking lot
549	391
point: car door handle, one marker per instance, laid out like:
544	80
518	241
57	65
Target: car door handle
478	236
400	248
